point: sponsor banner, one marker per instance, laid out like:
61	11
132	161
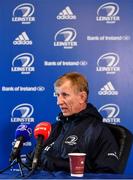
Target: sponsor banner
109	38
22	88
40	43
65	63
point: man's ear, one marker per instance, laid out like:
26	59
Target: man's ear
83	97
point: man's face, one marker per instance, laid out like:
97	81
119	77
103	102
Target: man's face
69	100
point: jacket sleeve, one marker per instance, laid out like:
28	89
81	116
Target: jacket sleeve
55	132
48	160
51	163
105	155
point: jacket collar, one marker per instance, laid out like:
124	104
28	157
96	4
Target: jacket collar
89	111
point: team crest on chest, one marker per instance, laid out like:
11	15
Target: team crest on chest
71	140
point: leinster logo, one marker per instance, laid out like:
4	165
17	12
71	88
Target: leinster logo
22	113
23	13
71	140
23	63
25	110
65	38
108	63
110	113
108	13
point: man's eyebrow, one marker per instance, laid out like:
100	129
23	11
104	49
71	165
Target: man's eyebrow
64	93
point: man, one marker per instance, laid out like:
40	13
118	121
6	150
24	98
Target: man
79	129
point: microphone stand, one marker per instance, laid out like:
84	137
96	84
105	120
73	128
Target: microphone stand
18	161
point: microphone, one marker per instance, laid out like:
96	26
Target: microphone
22	134
41	133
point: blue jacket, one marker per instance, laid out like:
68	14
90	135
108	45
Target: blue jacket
83	132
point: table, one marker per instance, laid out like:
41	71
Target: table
61	175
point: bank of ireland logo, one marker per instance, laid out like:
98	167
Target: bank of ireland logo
108	63
108	89
23	13
22	113
108	12
65	38
110	113
22	63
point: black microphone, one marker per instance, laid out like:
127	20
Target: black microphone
22	134
41	133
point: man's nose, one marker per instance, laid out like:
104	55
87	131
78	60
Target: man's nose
59	100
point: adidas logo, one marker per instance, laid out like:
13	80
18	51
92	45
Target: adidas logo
66	14
108	89
22	39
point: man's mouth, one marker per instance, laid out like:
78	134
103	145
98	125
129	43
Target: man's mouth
63	109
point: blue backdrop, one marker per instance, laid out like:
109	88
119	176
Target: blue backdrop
41	40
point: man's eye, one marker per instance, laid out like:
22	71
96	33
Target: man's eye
64	94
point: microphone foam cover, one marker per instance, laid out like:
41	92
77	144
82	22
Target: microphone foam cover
44	129
25	131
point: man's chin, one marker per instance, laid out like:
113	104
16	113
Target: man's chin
66	114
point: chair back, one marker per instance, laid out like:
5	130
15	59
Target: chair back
124	139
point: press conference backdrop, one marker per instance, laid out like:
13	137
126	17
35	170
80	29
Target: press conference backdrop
41	40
